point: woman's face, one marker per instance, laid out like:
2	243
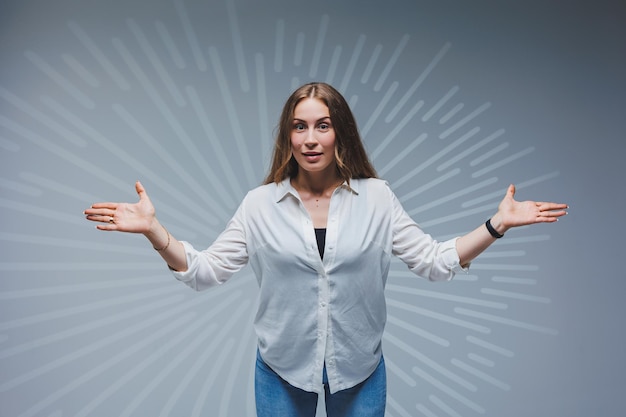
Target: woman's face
313	137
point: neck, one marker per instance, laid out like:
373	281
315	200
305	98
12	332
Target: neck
316	184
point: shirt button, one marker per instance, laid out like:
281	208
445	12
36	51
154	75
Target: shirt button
323	304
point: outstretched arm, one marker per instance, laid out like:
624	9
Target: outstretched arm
139	218
511	213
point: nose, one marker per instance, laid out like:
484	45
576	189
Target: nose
310	140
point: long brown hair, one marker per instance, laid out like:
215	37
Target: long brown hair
351	157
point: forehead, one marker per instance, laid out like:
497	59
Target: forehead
311	108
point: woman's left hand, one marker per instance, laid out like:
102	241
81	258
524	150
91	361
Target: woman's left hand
512	213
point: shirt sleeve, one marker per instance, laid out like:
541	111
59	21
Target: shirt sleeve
426	257
216	264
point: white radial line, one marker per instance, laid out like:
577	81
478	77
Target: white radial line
499	194
440	103
262	100
391	62
50	315
77	266
419	356
42	404
479	266
319	46
191	35
481	360
470	150
438	316
481	375
420	79
332	68
447	390
154	59
9	145
42	118
397	407
177	311
485	156
504	321
173	164
244	81
227	169
279	45
138	398
451	113
418	331
399	372
187	331
349	71
155	354
230	385
200	341
404	154
235	121
37	211
51	185
99	56
514	280
60	80
438	155
459	215
130	160
170	45
19	187
378	110
207	353
81	71
371	64
490	346
429	185
299	49
449	197
446	297
91	325
443	406
425	411
504	161
75	288
176	126
209	380
397	129
464	120
503	254
515	295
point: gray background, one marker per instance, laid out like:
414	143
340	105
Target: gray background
455	101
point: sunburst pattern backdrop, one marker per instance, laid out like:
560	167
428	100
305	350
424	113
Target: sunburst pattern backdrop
185	97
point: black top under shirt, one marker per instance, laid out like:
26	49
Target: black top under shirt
320	235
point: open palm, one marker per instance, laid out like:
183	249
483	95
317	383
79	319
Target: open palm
124	217
520	213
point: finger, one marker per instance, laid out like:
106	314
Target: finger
140	190
108	205
510	192
100	212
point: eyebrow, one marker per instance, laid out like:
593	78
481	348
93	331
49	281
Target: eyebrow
295	119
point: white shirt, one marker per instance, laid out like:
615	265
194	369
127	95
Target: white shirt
313	312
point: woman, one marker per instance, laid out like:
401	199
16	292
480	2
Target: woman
319	235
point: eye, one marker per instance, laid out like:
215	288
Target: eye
324	126
299	127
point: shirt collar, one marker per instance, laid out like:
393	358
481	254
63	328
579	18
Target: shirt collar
284	188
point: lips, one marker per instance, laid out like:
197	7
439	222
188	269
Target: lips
312	156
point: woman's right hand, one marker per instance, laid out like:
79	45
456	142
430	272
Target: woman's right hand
125	217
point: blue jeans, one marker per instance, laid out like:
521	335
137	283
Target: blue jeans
275	397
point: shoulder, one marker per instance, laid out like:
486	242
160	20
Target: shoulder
370	186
